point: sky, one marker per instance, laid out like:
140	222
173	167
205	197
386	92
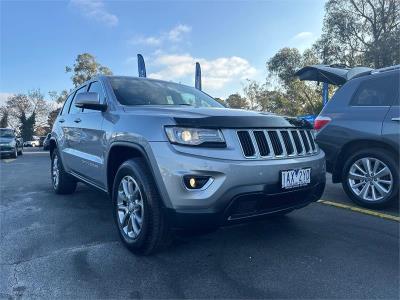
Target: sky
232	40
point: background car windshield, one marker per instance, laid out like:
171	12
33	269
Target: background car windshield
135	91
7	133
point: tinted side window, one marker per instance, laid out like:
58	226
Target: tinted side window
376	92
95	87
67	103
73	109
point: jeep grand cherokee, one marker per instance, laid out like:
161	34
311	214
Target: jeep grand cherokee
171	157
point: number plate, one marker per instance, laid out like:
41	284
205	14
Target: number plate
295	178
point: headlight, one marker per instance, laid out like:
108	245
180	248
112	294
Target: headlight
195	136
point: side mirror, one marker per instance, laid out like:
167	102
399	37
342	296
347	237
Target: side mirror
89	100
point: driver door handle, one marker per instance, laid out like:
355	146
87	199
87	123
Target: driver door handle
396	119
61	120
77	120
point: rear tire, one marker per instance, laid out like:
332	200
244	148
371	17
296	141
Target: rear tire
63	183
138	211
357	164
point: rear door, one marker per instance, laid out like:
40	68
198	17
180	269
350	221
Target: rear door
91	147
391	124
369	106
60	129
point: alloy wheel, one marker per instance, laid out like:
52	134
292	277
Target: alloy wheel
130	208
55	172
370	179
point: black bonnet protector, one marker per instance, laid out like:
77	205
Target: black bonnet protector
236	122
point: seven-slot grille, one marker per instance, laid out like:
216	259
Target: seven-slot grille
279	143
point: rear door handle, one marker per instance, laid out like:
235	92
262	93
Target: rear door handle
61	120
77	120
396	119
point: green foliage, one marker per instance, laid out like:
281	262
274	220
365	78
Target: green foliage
4	117
26	127
85	67
27	112
361	32
285	63
237	101
295	97
221	101
52	117
58	98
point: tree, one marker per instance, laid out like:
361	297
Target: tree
58	98
221	101
285	63
4	117
85	67
361	32
27	112
26	127
237	101
52	117
300	97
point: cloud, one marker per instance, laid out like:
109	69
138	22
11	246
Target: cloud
303	40
150	41
216	73
96	10
177	33
303	35
174	35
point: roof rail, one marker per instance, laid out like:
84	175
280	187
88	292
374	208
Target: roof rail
391	68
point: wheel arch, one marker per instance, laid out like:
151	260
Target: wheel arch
52	146
118	153
353	146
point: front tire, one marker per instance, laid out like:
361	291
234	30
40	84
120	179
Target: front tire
63	183
370	178
138	212
15	154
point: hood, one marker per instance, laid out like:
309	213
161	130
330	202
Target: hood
188	116
6	139
330	74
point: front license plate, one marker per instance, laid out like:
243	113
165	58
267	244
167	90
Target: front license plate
296	178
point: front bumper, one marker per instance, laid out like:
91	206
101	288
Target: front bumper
6	150
240	188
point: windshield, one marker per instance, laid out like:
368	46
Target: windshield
135	91
7	133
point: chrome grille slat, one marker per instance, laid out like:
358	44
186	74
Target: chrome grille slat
271	149
253	139
293	143
302	143
278	143
285	153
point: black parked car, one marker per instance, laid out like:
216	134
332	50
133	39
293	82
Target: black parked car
359	131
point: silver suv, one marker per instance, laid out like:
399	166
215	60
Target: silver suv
171	157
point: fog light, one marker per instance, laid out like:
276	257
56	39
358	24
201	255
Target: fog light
194	182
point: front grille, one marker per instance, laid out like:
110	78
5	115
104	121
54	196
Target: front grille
247	143
277	143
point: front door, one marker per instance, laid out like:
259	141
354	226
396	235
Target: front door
91	147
